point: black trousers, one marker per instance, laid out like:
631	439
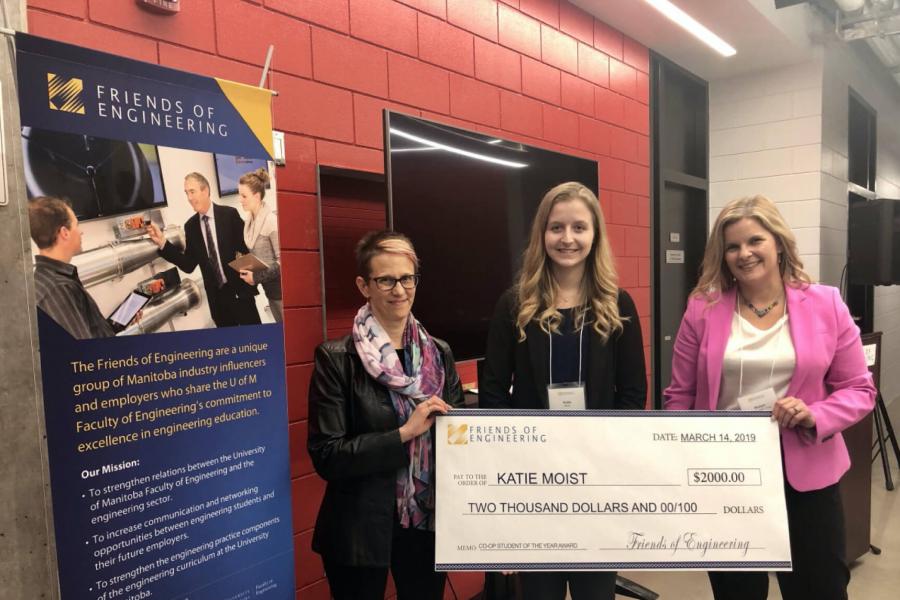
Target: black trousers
816	525
583	585
229	309
412	567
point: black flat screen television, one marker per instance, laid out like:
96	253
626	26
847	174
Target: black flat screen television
98	176
230	169
466	200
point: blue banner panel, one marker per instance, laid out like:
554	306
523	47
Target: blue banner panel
76	90
168	452
169	471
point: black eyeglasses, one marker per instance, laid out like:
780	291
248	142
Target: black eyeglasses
388	283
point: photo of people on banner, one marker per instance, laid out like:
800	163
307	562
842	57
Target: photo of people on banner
132	238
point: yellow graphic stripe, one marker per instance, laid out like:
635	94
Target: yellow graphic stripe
255	106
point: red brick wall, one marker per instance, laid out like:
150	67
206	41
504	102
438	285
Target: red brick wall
539	71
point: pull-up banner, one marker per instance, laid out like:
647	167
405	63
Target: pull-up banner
162	364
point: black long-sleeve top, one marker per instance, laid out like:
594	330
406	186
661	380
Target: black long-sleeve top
614	372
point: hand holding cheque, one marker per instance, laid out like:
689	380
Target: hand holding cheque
422	418
792	412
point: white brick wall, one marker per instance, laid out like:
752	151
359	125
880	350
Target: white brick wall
780	188
766	138
783	133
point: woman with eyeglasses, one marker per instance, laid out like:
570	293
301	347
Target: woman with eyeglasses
373	399
758	335
566	337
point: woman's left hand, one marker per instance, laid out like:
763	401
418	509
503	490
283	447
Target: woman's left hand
790	412
247	276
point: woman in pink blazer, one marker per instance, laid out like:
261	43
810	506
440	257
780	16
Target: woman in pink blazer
758	335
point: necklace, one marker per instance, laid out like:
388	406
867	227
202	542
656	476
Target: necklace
760	312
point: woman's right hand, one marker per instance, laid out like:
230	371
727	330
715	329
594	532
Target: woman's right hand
422	418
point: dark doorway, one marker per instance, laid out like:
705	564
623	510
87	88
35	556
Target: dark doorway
351	203
680	118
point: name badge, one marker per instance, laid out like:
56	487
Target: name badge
763	400
566	396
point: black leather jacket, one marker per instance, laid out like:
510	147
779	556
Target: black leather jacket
354	442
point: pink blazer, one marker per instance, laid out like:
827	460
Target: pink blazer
831	376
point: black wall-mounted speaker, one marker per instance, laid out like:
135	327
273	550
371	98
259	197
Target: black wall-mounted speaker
786	3
874	253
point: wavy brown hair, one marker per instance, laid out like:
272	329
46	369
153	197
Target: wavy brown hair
537	289
715	277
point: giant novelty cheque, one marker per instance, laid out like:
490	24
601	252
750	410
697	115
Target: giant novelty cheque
585	490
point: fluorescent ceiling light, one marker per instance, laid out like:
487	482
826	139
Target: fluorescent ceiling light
689	24
460	151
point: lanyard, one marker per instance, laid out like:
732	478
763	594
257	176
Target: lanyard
580	348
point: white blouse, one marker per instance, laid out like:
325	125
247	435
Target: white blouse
756	359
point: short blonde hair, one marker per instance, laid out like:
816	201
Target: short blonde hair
384	241
715	277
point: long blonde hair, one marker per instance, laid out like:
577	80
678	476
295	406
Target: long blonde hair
715	277
537	289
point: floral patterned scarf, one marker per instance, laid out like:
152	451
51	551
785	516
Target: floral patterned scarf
415	492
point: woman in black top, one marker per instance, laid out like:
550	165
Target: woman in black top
372	402
566	337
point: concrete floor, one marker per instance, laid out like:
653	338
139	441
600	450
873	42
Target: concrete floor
871	577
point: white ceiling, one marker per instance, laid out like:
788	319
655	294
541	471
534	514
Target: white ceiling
763	37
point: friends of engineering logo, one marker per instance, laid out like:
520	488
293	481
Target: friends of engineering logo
134	106
464	434
66	94
456	435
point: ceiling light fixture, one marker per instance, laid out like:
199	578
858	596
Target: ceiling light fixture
689	24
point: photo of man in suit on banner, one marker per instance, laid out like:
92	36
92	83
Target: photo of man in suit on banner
214	236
